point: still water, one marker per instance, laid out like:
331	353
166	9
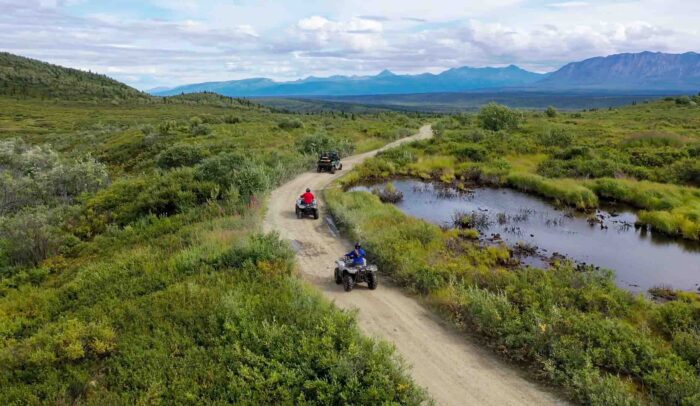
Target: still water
640	259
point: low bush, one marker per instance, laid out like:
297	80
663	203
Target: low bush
162	194
32	235
180	155
495	117
231	119
290	124
198	127
556	137
199	314
315	144
474	153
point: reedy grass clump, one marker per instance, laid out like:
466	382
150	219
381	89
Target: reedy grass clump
564	191
388	194
671	209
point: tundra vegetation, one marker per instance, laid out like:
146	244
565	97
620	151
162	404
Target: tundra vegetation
646	156
574	327
132	268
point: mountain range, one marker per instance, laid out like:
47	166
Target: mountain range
639	72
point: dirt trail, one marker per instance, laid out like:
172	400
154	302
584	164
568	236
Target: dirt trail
454	370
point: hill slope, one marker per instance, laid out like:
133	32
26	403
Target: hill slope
386	82
646	70
24	77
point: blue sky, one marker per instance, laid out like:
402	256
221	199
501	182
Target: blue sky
152	43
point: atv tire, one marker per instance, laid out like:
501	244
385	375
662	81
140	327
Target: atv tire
348	283
372	281
316	214
338	277
299	214
340	168
333	170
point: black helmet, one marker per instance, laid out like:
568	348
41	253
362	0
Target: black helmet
308	190
358	245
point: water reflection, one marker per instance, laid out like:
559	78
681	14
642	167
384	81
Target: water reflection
608	238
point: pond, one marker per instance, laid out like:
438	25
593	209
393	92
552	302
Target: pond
641	259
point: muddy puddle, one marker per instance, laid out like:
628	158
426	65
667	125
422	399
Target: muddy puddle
608	239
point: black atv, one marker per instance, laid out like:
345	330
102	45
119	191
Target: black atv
302	209
329	162
348	274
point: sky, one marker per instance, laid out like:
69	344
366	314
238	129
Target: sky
162	43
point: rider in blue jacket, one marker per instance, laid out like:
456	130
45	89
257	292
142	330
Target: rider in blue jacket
357	255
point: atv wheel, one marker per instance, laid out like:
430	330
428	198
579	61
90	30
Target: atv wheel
332	169
338	277
299	214
372	281
340	168
348	283
319	169
316	214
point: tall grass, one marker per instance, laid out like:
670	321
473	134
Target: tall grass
565	191
671	209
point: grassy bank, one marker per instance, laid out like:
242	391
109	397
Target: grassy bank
575	328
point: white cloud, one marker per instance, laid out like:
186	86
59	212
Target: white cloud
570	4
194	40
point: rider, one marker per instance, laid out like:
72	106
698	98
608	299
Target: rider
308	197
357	255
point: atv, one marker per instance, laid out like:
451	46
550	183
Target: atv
329	162
302	209
348	274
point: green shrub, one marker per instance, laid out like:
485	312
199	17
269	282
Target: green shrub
198	127
161	194
180	155
232	119
551	112
32	235
556	137
220	168
687	345
657	156
683	100
472	152
251	180
37	175
495	117
401	156
315	144
686	171
167	127
290	124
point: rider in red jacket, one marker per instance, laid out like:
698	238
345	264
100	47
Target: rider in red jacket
308	197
